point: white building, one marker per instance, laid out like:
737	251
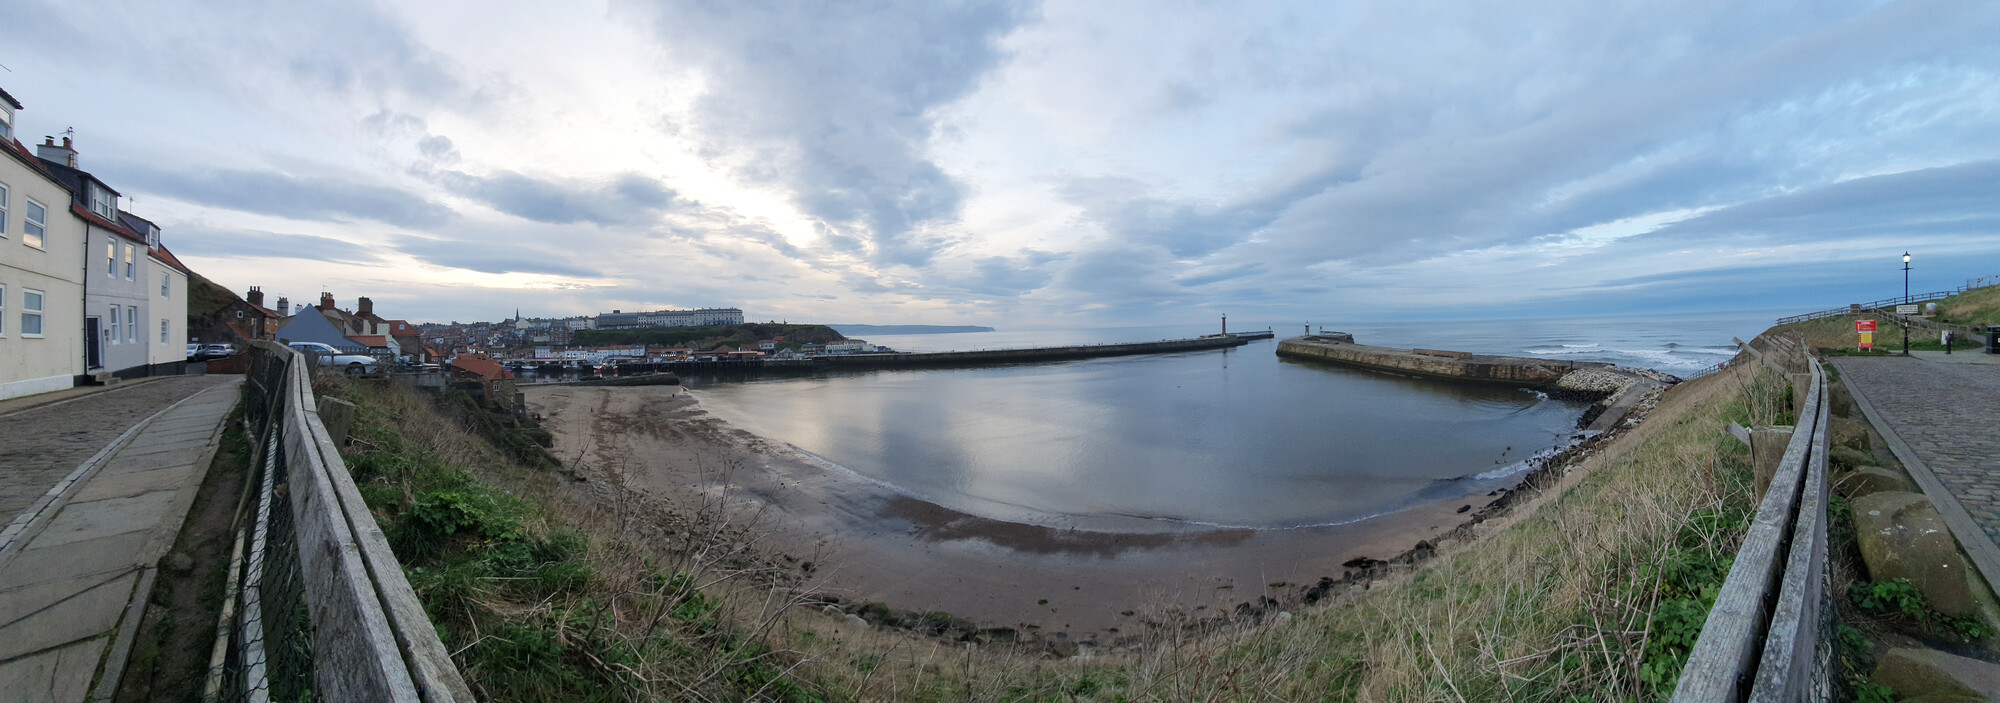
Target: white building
118	288
41	281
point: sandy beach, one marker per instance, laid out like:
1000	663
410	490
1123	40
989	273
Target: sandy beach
874	544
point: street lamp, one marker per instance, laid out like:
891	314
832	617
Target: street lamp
1906	301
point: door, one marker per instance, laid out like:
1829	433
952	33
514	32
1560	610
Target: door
94	346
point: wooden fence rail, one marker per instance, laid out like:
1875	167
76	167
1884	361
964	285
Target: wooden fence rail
362	635
1764	638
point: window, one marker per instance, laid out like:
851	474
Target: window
31	313
132	324
166	285
163	331
110	259
128	262
3	210
103	202
112	333
35	226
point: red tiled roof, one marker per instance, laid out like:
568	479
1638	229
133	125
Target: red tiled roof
95	219
371	341
484	368
21	152
168	258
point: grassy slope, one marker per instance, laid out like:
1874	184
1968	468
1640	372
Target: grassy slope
1979	308
206	300
558	592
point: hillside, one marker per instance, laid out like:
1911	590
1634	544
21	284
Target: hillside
704	338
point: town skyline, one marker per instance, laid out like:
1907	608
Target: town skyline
1042	164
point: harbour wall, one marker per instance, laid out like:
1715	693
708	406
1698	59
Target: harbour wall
1010	356
1463	366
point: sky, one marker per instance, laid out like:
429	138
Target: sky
1039	163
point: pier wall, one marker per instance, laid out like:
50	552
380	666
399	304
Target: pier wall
1006	356
1425	362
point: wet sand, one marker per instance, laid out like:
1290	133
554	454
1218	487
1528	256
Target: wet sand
873	544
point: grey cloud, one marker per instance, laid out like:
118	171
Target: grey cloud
834	101
321	198
490	257
1013	276
624	200
234	244
438	148
1958	198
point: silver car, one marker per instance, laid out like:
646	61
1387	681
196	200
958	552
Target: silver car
329	356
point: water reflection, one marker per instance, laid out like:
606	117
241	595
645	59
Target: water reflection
1233	437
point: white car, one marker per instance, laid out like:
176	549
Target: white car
329	356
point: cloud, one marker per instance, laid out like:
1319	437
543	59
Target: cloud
239	243
835	103
300	197
490	257
625	199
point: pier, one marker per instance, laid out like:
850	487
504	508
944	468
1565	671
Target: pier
1339	348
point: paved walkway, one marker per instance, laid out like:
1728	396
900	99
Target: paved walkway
1940	414
76	568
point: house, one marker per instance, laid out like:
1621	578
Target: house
42	346
495	382
380	346
317	324
247	319
120	283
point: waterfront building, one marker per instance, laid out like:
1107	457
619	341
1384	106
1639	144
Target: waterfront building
41	274
167	327
620	320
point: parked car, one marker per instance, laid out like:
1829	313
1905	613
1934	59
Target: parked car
215	351
194	352
329	356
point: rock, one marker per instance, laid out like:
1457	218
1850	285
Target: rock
1062	649
1597	381
1903	536
1852	434
1935	675
1869	480
1284	617
1850	458
178	562
856	621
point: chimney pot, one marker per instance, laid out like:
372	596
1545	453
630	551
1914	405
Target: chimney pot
284	308
256	296
326	301
366	307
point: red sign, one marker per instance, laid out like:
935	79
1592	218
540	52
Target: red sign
1864	325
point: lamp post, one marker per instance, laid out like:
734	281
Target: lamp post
1906	301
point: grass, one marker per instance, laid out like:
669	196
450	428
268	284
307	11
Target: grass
548	589
1979	307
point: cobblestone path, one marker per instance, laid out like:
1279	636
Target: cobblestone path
39	446
1950	415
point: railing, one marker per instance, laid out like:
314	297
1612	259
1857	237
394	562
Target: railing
1766	637
318	608
1970	284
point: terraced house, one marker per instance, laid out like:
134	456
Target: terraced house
135	291
41	276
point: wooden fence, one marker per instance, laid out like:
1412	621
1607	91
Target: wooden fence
319	608
1766	638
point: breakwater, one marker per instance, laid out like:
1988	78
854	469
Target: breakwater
916	360
1015	356
1340	348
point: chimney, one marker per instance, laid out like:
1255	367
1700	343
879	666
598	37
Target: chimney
325	301
65	154
367	307
284	308
256	296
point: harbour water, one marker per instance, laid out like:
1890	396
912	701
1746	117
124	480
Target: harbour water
1232	437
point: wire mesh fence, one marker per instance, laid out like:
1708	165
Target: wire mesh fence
268	650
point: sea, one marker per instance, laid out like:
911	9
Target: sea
1235	438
